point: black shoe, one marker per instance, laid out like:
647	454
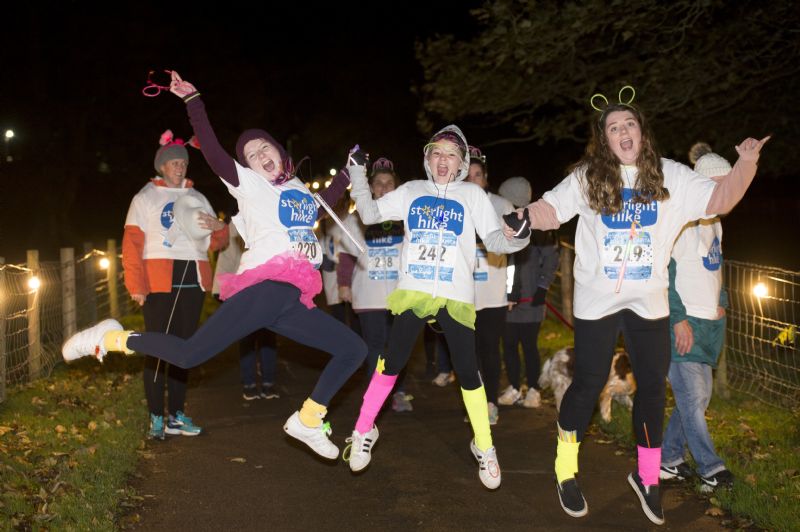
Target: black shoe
571	498
250	392
679	472
721	479
650	497
268	391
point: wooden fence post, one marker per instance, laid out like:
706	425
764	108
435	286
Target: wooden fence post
34	336
68	305
90	294
113	294
567	282
3	298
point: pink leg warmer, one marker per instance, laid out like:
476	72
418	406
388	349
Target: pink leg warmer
649	464
379	389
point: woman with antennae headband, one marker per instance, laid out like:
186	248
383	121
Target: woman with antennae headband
631	205
441	216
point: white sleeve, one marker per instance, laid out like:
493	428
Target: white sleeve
137	212
351	223
567	197
691	190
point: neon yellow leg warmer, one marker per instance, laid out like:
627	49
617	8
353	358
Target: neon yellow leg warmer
312	413
566	455
117	341
478	412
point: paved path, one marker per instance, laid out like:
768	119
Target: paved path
422	475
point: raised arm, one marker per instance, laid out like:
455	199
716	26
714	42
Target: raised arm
220	162
729	191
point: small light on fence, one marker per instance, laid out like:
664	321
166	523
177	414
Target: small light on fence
308	185
332	171
352	208
760	290
104	263
328	183
316	224
349	186
34	283
315	185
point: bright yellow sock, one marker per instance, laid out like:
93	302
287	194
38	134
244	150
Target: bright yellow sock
312	413
117	341
478	412
566	459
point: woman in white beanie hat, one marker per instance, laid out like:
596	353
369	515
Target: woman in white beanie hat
165	260
697	303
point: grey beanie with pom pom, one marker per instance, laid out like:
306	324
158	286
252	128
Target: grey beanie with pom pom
517	190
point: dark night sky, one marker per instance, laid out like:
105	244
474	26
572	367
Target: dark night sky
325	78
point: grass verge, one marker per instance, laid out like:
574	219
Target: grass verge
68	445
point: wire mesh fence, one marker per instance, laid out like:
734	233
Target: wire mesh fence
41	304
761	354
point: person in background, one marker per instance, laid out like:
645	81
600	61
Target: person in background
490	290
258	354
531	271
167	273
366	279
697	302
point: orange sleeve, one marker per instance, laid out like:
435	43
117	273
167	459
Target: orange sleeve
219	239
133	262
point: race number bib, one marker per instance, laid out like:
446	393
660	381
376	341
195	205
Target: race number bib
639	265
305	242
427	248
481	271
384	264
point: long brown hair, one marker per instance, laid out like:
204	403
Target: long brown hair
603	185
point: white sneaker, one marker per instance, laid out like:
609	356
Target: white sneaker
89	341
510	396
533	399
401	402
494	413
443	379
360	446
488	467
314	437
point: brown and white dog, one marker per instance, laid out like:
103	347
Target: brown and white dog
558	370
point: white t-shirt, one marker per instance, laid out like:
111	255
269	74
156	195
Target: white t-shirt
152	211
490	268
377	270
439	240
602	242
698	276
331	246
274	219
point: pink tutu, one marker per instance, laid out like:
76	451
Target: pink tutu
286	268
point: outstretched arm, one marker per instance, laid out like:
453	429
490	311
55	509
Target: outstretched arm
729	191
220	162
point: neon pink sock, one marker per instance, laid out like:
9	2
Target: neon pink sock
379	389
649	464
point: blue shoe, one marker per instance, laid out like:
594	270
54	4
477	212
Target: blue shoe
156	431
181	424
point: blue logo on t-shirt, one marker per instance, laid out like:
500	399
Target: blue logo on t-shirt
713	260
296	208
641	213
427	212
167	215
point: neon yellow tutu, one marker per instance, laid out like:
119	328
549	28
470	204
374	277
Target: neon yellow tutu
424	305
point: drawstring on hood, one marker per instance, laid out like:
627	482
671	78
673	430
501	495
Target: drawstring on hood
452	133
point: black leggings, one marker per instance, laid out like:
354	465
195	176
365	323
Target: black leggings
460	340
647	343
271	305
488	330
156	310
526	334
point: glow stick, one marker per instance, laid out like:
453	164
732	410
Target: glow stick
622	268
322	203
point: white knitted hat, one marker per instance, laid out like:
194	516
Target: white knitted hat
712	165
517	190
